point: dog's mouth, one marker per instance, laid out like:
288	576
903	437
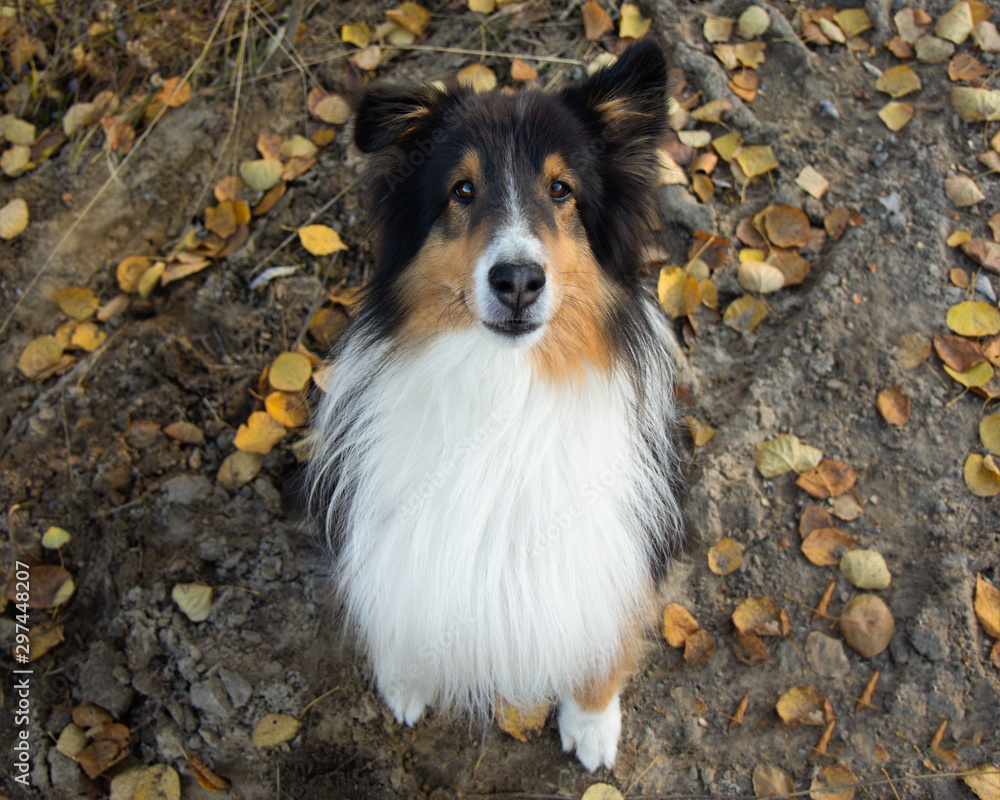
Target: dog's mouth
513	328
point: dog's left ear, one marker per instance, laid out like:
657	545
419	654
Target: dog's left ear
627	99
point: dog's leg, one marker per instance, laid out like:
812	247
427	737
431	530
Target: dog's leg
405	698
590	721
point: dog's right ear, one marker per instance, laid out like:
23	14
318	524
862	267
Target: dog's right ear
389	115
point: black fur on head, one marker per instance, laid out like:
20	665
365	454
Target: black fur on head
608	128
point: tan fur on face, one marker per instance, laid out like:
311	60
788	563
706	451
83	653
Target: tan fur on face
437	284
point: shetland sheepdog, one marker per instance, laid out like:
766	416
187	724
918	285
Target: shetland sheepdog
494	462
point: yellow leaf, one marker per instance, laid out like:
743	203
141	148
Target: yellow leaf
159	782
332	109
717	29
297	147
287	408
478	77
260	434
962	191
745	313
984	781
78	116
40	357
755	160
712	111
830	777
801	705
412	17
238	469
955	24
77	303
725	557
678	625
898	81
482	6
989	433
13	218
727	145
853	21
87	336
973	318
359	34
958	238
979	375
194	599
895	115
979	480
150	278
320	240
678	291
785	453
174	93
701	434
753	22
987	605
520	722
601	791
289	372
631	23
976	105
262	173
130	271
759	276
275	729
55	538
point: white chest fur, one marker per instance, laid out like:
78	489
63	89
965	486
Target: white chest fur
493	527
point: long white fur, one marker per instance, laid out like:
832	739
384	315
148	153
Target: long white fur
491	526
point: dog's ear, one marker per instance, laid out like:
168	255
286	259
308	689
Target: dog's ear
389	115
627	99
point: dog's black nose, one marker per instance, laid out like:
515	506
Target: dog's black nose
517	286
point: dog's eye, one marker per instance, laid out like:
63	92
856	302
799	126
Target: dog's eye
559	190
464	191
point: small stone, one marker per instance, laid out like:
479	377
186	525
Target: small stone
237	687
210	696
929	636
826	655
865	569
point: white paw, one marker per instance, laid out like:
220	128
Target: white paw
594	734
406	702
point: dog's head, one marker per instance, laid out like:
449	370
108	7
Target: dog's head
521	214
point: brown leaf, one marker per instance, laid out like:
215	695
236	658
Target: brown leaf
893	405
208	779
983	252
966	67
744	84
836	221
522	71
830	778
786	226
957	352
88	715
825	546
100	756
749	235
737	718
221	219
750	648
678	625
987	606
50	586
829	479
801	705
824	602
865	701
824	740
270	198
867	624
725	557
596	21
771	781
709	248
174	94
698	648
185	432
814	517
760	615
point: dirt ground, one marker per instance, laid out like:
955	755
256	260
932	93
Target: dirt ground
146	512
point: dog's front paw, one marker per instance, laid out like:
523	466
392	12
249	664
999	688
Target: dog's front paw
406	702
594	734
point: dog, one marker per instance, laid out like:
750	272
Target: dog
494	463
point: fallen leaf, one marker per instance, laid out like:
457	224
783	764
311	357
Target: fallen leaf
957	352
358	34
522	71
519	722
193	599
786	226
898	81
182	269
596	21
701	434
987	606
758	615
77	303
631	23
42	638
744	85
865	700
983	252
174	93
331	109
275	729
206	778
824	602
478	77
836	221
678	291
955	24
72	740
829	479
695	138
238	469
712	112
698	648
824	547
287	408
760	277
896	115
984	781
40	357
261	174
750	649
150	278
54	538
824	740
912	23
601	791
831	777
989	433
482	6
814	517
853	21
785	453
753	22
865	569
966	67
87	336
737	718
320	240
678	625
801	705
790	264
725	557
812	182
13	218
260	434
771	781
974	104
755	160
867	624
750	54
932	50
289	372
979	479
745	313
847	507
185	432
962	191
159	782
717	30
893	405
100	756
979	375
